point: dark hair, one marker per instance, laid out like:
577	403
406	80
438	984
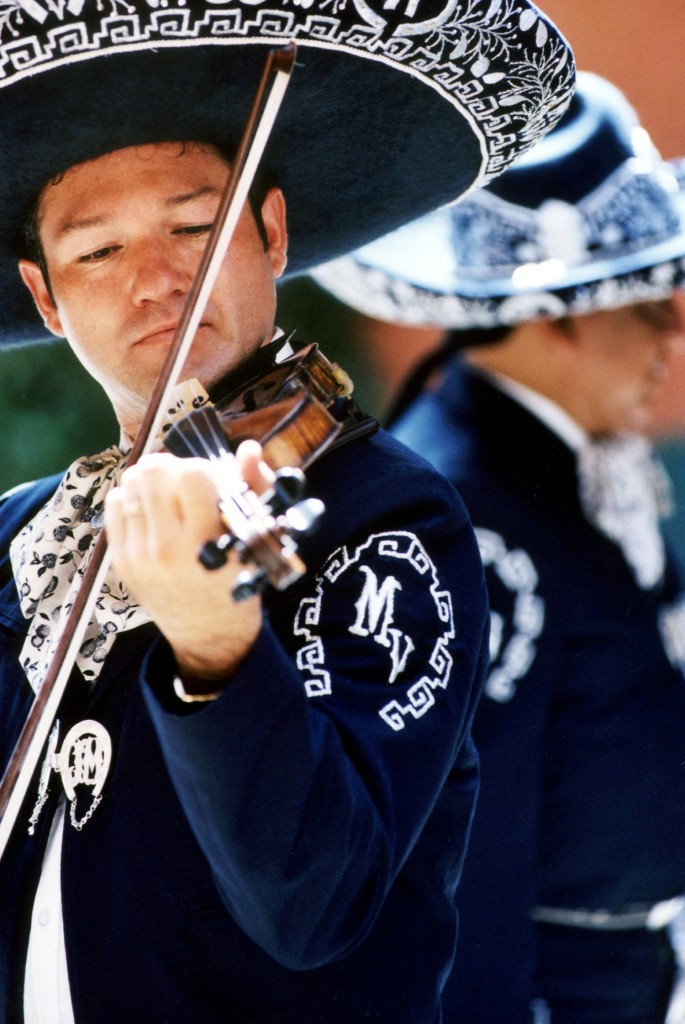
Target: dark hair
31	246
454	341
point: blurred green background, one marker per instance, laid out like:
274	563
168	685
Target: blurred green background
52	411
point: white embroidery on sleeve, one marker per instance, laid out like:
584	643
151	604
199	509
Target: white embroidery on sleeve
512	633
387	575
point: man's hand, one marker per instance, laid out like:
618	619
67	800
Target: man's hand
157	520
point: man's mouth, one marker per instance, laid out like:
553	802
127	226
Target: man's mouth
162	333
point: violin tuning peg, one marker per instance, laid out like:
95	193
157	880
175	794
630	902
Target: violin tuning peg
248	584
303	518
214	554
288	489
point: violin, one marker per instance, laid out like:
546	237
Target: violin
297	409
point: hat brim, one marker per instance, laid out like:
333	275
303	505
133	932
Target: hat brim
409	277
360	145
589	219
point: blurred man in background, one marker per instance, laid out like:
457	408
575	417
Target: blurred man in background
557	285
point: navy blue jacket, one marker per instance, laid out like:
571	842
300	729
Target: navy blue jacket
280	854
581	731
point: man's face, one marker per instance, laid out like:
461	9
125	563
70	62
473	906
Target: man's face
122	237
622	356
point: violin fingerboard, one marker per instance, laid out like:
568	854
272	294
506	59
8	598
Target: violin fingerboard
199	433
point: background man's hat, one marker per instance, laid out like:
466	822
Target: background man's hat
591	218
394	107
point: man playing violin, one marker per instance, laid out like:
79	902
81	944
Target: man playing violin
120	238
248	811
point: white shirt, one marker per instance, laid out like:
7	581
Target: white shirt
47	996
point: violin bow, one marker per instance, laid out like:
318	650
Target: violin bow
33	737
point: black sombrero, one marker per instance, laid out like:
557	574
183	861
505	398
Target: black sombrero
358	148
592	218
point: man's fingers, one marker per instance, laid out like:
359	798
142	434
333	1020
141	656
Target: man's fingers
255	472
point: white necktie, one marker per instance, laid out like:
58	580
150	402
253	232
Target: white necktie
625	493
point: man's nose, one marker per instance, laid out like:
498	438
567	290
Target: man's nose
158	273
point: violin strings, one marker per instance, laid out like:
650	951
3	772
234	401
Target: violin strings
199	433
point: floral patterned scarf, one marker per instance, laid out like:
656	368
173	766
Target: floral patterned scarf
51	554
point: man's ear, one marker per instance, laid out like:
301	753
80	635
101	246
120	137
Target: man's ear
32	277
273	218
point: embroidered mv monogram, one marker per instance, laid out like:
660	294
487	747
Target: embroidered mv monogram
377	605
400	588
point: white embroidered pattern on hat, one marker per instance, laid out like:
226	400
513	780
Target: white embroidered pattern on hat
456	45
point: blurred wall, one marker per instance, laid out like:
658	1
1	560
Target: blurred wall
638	44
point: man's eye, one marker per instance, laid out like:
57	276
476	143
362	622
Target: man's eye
660	316
193	229
98	254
